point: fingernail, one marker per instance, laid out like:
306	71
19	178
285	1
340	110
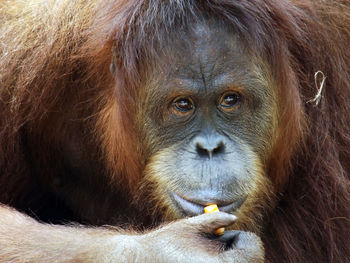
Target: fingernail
233	217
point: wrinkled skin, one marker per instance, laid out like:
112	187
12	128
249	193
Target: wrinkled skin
208	120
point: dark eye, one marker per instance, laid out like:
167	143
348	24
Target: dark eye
182	106
230	101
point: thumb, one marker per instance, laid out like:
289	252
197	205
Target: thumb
208	223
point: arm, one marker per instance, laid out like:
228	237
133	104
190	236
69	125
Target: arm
23	239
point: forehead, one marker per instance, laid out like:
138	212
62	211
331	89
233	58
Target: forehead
205	43
205	55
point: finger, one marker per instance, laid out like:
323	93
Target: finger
249	246
210	222
247	240
229	238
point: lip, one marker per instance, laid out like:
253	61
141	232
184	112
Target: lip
195	208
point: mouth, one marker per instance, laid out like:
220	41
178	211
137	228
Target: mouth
194	206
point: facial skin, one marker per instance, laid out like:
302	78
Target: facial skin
209	123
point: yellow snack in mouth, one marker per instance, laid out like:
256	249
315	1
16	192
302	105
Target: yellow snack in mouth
212	209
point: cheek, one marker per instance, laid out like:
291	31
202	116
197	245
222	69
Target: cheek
258	130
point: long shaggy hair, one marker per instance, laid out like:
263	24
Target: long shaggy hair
54	50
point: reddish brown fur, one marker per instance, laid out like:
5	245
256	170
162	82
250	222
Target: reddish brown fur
42	66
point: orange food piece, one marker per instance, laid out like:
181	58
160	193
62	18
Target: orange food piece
212	209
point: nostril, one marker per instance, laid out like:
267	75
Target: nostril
207	151
202	151
220	148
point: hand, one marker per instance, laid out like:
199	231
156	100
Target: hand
192	240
